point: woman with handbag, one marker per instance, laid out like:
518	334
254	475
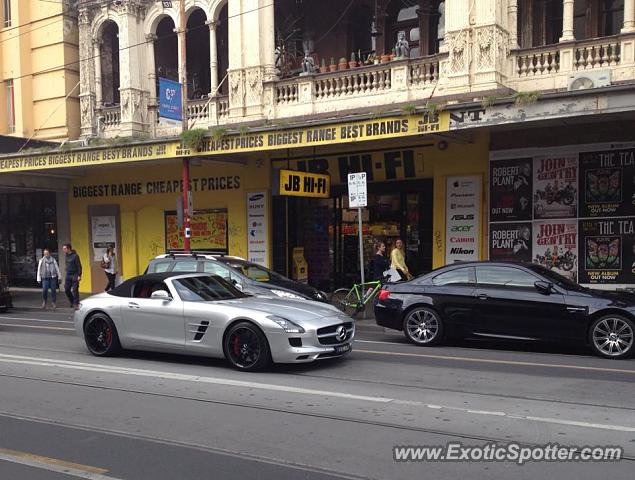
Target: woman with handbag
109	264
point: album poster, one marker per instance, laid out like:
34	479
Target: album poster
556	246
510	242
511	190
556	186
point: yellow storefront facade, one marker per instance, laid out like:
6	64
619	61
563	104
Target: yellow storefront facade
127	195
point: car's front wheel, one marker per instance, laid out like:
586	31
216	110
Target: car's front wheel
611	336
423	326
246	347
100	335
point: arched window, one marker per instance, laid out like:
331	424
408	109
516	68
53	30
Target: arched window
166	59
539	22
110	64
597	18
222	50
198	61
420	20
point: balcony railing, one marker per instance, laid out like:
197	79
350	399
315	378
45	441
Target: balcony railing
111	116
584	55
198	110
357	83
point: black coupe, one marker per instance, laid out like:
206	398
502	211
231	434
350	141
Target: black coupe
508	300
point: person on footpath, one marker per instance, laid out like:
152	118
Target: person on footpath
380	262
109	264
73	275
398	260
48	275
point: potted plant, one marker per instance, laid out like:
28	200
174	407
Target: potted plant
343	64
385	58
333	65
323	67
353	62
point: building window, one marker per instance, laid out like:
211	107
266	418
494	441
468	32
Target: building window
10	106
6	8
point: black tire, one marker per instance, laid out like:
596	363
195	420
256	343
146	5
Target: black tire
611	336
247	348
423	326
345	301
100	335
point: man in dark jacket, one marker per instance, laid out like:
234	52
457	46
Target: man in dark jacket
73	275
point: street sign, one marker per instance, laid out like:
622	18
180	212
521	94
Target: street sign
357	191
170	104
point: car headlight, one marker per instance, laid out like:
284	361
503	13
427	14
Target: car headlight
284	294
288	325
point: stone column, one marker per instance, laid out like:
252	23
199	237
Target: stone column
512	21
268	39
86	75
567	21
629	16
213	58
152	74
97	60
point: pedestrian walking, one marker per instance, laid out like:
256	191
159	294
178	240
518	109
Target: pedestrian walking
380	262
398	260
73	275
48	274
109	264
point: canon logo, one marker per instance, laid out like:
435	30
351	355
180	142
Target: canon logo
461	251
461	239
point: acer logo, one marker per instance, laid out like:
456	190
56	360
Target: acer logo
462	228
461	251
463	217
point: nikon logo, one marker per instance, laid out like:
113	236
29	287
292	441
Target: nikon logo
461	251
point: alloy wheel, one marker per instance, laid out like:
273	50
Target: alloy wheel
244	347
613	337
422	327
99	335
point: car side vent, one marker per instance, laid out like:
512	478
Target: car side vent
199	330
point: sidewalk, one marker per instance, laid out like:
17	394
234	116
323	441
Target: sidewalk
31	299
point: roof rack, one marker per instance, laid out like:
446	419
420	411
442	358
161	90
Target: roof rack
195	253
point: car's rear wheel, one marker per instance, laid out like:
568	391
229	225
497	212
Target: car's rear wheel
246	347
346	301
101	335
611	336
423	326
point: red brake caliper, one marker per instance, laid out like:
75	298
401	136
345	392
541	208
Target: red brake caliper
109	336
236	346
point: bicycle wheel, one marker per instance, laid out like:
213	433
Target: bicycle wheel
345	300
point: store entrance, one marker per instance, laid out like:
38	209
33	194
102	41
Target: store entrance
327	231
28	224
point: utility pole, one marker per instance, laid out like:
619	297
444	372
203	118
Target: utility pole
187	232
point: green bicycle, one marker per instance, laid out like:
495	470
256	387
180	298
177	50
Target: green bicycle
354	300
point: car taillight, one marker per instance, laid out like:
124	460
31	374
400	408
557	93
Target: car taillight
384	295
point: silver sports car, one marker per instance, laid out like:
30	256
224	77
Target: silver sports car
205	315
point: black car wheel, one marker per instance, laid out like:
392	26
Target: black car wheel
246	347
101	336
611	336
423	326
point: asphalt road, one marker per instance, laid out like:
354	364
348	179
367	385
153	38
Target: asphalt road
65	414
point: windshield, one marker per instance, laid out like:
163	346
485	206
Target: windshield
205	289
256	272
556	278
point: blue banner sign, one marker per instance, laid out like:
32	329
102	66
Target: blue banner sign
170	105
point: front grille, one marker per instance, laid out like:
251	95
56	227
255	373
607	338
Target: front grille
328	335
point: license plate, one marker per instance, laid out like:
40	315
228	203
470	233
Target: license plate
343	348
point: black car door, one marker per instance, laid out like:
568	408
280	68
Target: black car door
452	294
508	303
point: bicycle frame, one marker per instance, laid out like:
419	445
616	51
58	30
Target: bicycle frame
363	293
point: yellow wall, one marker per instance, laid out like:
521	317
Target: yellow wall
142	216
36	57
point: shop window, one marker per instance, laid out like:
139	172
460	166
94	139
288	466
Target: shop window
6	10
110	64
10	105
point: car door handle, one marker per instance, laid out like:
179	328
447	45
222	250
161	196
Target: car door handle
482	296
133	305
576	309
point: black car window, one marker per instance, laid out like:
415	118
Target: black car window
205	289
458	277
215	268
145	288
188	266
504	277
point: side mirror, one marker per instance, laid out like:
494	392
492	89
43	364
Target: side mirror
239	286
161	295
546	288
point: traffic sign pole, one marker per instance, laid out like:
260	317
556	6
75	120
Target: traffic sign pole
361	244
